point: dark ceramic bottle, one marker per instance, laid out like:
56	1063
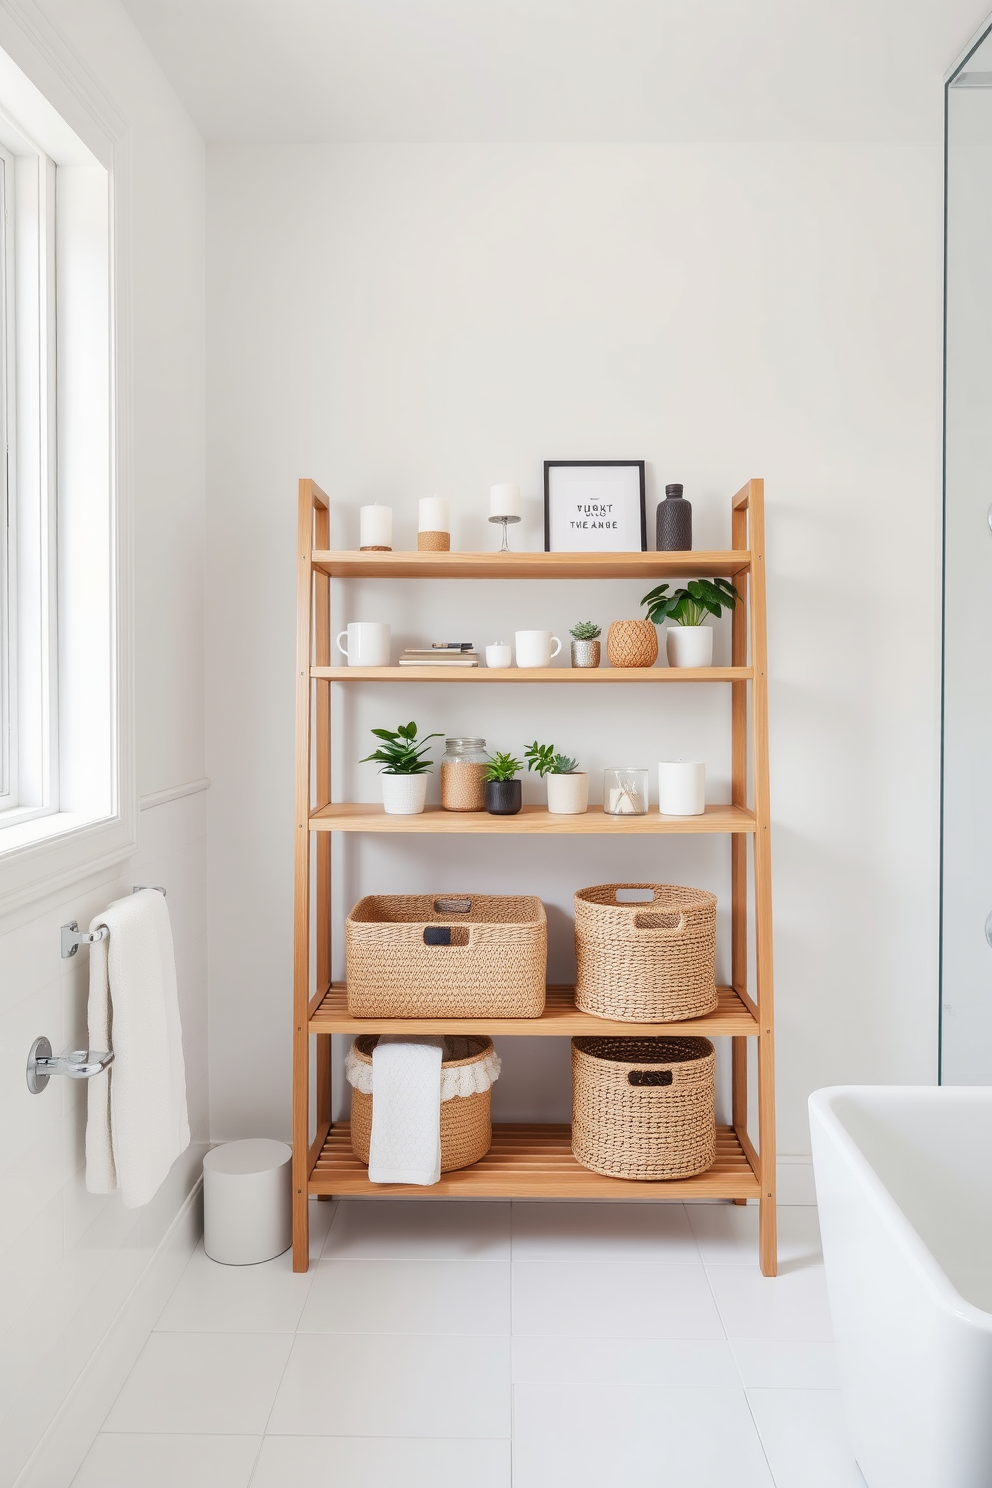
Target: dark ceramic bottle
673	530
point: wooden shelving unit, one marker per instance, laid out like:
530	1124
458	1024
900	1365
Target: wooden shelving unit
530	1160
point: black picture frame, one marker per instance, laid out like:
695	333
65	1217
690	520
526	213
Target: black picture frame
634	516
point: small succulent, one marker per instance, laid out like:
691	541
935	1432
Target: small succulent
690	606
502	767
586	630
543	759
400	753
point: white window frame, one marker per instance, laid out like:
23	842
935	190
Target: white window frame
80	147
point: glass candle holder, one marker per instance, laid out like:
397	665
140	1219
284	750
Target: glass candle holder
625	791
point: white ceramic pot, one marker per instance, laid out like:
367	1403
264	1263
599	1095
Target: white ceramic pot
404	795
568	795
689	646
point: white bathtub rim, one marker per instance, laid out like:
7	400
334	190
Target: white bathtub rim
920	1257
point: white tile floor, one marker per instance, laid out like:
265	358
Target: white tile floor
543	1345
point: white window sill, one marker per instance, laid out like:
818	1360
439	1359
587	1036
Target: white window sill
48	853
39	828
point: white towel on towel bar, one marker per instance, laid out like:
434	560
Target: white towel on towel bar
136	1123
405	1146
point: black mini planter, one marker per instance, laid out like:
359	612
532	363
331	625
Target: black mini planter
502	797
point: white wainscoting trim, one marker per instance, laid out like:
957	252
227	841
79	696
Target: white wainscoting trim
172	793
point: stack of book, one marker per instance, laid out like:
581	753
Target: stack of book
442	654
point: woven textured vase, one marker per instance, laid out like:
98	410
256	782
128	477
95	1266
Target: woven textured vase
466	1132
644	1108
632	643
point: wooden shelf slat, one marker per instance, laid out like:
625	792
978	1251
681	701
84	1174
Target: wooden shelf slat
408	565
561	1018
530	1160
512	675
365	816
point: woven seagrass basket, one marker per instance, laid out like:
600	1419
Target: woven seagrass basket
650	962
632	643
466	1132
643	1108
446	956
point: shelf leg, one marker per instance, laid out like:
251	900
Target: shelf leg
738	1075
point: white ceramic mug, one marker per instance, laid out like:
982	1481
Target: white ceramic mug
681	787
499	655
367	644
533	647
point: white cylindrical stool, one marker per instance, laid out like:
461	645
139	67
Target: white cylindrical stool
247	1201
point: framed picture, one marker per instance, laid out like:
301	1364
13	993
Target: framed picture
594	506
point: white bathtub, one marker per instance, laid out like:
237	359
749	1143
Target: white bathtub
904	1187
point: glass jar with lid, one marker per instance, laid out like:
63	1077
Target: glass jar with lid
463	766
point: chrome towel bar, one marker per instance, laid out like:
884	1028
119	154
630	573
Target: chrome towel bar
81	1064
73	937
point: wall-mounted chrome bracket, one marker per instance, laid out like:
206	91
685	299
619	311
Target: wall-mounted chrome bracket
81	1064
73	937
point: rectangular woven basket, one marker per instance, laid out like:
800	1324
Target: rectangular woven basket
447	956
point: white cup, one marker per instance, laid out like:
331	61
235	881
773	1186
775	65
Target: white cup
367	644
499	655
681	787
533	647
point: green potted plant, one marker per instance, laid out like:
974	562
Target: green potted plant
404	768
568	788
502	787
585	643
689	642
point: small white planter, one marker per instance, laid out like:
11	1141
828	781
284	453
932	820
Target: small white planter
568	795
404	795
689	646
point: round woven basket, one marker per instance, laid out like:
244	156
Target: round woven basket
632	643
652	962
466	1130
643	1108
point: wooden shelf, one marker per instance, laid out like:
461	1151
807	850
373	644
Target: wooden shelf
531	674
533	1161
561	1018
364	816
641	566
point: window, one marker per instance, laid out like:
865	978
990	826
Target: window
67	802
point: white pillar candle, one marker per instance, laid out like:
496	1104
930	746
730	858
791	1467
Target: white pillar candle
376	527
433	514
504	501
681	787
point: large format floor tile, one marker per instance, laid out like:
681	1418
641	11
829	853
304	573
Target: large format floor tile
399	1385
594	1436
621	1299
149	1461
211	1298
455	1229
786	1363
400	1296
726	1233
805	1438
383	1462
202	1383
602	1232
660	1363
790	1306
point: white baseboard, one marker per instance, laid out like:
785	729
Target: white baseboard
59	1454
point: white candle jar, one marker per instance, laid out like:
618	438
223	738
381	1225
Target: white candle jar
681	787
625	791
376	523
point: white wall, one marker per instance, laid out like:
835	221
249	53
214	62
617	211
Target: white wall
68	1259
397	320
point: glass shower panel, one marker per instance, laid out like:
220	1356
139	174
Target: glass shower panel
966	954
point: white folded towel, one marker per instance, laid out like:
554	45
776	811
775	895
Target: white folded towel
136	1123
405	1146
